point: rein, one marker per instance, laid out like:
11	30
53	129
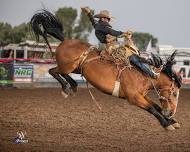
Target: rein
160	97
158	92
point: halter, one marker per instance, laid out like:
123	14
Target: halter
169	89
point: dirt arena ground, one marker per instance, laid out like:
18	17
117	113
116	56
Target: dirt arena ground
53	123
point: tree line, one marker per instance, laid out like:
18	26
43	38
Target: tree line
76	26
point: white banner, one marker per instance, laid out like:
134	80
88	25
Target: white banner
41	73
184	71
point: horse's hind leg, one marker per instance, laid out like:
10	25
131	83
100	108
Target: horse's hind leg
72	82
65	85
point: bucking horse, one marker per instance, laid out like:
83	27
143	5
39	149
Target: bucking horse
131	84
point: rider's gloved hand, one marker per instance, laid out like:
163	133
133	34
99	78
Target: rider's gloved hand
154	63
86	10
128	34
150	61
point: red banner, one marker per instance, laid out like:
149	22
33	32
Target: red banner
45	61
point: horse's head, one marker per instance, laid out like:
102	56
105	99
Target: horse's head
169	88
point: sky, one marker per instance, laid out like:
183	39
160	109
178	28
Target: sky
167	20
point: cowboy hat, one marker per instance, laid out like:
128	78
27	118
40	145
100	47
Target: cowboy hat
104	14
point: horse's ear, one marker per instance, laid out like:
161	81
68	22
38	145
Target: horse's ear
170	60
173	55
169	71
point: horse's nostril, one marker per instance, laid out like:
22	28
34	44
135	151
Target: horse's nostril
170	114
173	113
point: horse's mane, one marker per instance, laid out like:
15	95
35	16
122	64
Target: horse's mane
168	70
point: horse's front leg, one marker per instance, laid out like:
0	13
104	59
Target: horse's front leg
141	102
173	122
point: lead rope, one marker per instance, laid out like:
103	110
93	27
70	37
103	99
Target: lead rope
92	96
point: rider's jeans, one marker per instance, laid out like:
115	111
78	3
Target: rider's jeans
134	59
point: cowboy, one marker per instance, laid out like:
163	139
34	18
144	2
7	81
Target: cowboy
108	36
103	30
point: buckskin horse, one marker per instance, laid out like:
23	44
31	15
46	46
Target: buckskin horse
75	56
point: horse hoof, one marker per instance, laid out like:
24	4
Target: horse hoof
72	93
176	125
75	89
64	94
170	128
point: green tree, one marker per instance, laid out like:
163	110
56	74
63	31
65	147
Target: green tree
84	28
142	40
19	33
73	27
5	33
67	16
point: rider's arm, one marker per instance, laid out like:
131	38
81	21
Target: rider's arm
91	18
87	11
109	30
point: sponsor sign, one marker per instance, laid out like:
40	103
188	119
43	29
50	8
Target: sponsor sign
41	73
23	73
184	71
6	74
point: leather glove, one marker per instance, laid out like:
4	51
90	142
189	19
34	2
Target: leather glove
157	61
154	63
128	34
86	10
150	61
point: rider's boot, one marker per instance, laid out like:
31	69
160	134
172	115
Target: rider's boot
148	70
134	59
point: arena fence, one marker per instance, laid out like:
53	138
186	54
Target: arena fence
36	75
29	75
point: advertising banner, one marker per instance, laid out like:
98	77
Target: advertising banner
6	74
41	73
184	71
23	73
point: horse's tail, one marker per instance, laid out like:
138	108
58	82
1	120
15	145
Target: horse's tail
43	23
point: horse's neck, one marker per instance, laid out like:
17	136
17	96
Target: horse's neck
161	81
